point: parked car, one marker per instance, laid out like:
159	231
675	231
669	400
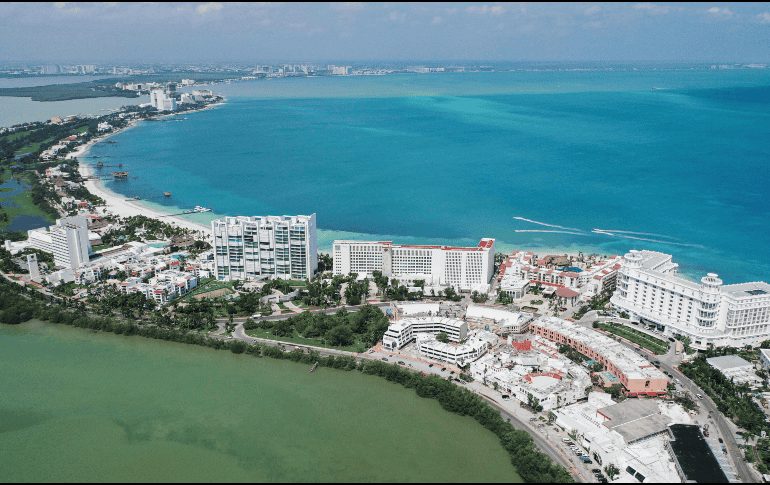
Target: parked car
451	372
401	362
721	440
443	369
384	359
430	365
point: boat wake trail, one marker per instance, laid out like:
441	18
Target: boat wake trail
560	232
606	232
549	225
625	236
633	232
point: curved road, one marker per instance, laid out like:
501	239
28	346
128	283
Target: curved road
741	467
544	445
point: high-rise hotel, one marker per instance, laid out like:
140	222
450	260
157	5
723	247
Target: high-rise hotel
708	312
266	247
459	267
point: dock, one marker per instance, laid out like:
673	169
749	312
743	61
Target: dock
120	175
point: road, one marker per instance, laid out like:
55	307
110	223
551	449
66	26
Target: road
741	467
668	363
544	445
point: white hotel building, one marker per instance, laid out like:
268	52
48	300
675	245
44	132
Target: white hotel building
423	330
461	268
269	247
708	312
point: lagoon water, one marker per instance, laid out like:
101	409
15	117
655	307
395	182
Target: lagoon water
82	406
668	160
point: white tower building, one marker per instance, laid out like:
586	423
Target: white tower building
265	247
69	241
34	269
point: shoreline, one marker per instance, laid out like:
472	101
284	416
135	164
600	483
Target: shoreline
120	206
117	204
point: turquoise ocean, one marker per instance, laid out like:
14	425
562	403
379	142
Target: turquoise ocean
596	161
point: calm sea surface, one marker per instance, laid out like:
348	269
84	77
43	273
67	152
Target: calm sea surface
675	161
82	406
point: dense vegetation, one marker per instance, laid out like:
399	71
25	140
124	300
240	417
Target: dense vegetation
597	302
734	401
531	464
63	92
339	330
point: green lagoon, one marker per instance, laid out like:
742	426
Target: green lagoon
76	405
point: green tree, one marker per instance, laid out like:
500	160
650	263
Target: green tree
442	337
611	470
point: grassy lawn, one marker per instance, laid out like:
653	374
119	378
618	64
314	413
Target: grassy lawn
16	136
650	343
209	284
260	333
282	306
33	147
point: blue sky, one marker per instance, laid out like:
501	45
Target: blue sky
263	32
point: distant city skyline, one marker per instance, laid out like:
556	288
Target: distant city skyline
235	32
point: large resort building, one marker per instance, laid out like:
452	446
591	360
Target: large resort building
637	375
709	313
462	268
588	278
268	247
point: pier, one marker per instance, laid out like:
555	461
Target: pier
120	175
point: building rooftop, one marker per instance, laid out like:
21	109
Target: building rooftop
727	362
747	290
635	419
694	455
625	359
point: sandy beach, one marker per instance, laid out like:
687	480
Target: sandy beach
117	204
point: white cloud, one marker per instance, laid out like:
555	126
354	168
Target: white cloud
764	18
60	5
451	11
397	17
347	6
484	9
437	20
592	10
720	11
110	4
652	8
208	7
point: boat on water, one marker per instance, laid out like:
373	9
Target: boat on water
197	209
99	164
167	194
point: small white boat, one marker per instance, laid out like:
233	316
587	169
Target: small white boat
198	209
